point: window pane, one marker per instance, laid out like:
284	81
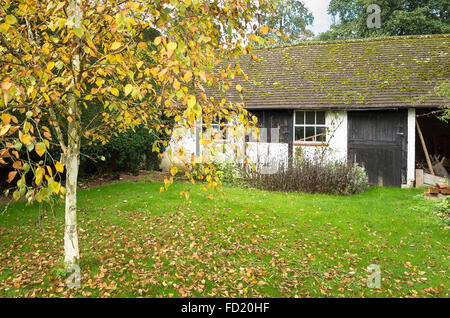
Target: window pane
309	133
310	118
320	118
299	118
211	131
223	132
322	131
215	132
299	133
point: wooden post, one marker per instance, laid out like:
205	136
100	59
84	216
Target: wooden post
419	178
430	166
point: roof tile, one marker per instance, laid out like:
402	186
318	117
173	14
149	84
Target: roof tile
370	73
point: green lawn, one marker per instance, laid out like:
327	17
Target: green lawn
136	241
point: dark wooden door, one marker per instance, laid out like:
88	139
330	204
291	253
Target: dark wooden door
377	141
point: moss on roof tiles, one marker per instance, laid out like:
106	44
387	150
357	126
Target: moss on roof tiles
372	72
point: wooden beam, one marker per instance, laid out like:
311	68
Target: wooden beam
429	179
430	166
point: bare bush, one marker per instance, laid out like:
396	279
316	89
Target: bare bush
312	175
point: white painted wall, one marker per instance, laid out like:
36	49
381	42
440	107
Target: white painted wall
180	148
411	158
269	157
265	155
231	150
183	146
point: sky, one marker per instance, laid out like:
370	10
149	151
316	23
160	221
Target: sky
318	8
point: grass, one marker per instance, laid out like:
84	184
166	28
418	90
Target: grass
136	241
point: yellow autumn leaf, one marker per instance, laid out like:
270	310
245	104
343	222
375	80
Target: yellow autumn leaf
187	76
239	88
265	29
40	148
191	101
99	81
173	171
6	85
55	186
176	85
50	66
171	46
115	45
4	129
202	75
26	127
6	118
128	89
25	139
10	19
115	91
50	171
59	167
39	175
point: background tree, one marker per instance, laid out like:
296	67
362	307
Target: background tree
443	90
398	17
56	57
288	21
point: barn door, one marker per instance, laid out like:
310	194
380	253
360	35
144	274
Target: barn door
377	141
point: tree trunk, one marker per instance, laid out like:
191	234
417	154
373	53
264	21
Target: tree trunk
71	159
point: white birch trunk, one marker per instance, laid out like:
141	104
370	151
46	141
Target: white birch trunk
71	160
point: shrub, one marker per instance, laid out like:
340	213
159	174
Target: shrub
442	210
312	175
227	172
128	151
359	181
197	170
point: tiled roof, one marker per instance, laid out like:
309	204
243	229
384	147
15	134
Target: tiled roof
370	73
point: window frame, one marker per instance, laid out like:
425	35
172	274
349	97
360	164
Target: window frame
224	135
305	125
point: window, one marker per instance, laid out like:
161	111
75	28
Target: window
217	130
309	126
